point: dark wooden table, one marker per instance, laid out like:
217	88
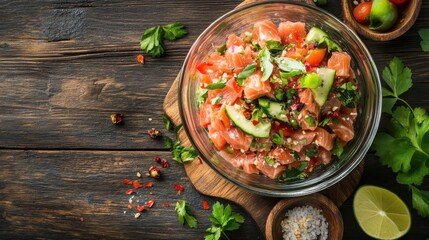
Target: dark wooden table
65	66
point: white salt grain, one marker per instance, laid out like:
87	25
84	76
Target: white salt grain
304	223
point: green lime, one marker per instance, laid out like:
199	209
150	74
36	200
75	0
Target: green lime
380	213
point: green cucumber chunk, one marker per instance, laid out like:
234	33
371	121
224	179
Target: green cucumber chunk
321	93
260	130
274	109
321	37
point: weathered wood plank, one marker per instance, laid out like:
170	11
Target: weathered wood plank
43	194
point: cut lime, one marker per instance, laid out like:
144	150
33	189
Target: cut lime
380	213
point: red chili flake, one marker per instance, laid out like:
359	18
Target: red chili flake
164	163
127	182
140	59
148	185
140	208
150	203
129	192
117	118
137	184
157	159
153	133
179	188
81	219
166	204
205	205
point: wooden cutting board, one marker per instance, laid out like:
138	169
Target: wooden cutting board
210	183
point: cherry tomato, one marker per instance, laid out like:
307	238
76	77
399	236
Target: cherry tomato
362	11
398	2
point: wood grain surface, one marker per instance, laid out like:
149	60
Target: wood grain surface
66	65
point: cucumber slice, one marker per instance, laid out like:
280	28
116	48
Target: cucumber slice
274	109
315	35
321	93
260	130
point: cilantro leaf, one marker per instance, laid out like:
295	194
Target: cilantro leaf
424	35
247	71
180	153
278	138
151	41
184	214
223	219
398	78
202	95
418	170
174	31
420	201
267	66
274	46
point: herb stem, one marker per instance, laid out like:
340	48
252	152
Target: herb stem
224	234
406	103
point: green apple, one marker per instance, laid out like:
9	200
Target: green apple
383	15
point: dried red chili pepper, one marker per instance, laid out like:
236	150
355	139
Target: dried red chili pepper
117	118
153	133
154	172
129	192
157	159
127	182
148	185
140	208
137	184
140	59
205	205
166	204
179	188
164	163
150	203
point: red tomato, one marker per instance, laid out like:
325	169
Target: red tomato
362	11
398	2
286	129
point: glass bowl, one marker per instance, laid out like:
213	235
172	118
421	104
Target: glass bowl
369	108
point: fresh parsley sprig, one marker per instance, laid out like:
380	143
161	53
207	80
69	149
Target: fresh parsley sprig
223	219
424	35
405	146
152	40
184	214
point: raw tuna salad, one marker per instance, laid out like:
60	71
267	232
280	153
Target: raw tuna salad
278	100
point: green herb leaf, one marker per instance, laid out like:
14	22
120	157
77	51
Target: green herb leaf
338	148
310	80
184	214
424	35
330	44
217	85
180	153
174	31
223	219
291	67
221	49
347	94
310	121
296	173
167	122
267	66
311	152
274	46
151	41
247	71
420	201
278	138
398	78
216	100
202	95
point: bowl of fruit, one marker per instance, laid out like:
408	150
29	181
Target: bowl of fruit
280	98
381	20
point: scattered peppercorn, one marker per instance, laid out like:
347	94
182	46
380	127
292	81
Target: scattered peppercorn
179	188
154	172
117	118
140	59
164	163
153	133
157	159
127	182
140	208
150	203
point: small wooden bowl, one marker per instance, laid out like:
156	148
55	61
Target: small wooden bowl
406	19
273	229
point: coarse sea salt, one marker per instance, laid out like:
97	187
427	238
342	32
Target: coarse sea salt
304	223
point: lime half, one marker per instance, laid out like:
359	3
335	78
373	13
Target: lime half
380	213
